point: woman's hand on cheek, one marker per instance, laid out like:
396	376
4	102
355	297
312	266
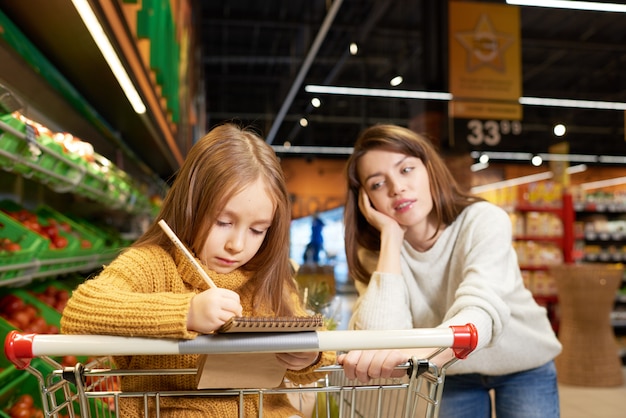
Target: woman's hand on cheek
374	217
210	309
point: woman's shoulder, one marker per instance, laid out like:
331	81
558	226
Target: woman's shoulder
484	212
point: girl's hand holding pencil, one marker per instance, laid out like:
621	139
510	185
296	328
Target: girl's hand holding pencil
210	309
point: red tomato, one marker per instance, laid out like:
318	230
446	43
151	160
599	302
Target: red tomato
60	241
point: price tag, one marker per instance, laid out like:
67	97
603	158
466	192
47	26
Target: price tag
478	132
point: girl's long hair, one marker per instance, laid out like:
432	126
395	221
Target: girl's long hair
448	198
218	166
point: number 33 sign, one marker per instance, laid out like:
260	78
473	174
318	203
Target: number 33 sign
490	132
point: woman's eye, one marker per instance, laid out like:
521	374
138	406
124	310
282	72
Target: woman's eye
222	223
376	186
407	169
257	232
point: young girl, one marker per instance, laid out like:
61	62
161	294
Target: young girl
230	206
425	254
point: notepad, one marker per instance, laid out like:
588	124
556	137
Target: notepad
272	324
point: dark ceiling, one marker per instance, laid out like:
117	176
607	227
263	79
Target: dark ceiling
254	52
258	56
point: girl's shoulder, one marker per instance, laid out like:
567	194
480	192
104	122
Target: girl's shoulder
147	253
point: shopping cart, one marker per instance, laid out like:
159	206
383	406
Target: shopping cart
93	390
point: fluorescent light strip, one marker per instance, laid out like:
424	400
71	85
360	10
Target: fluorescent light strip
411	94
603	183
579	104
546	175
577	5
356	91
572	158
512	182
522	156
312	150
98	35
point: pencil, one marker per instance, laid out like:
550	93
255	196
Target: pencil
186	252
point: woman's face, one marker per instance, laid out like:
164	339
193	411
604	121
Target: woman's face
397	185
239	229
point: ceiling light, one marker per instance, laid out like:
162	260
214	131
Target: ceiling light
536	160
478	166
315	102
603	183
304	122
581	104
357	91
576	5
354	48
103	43
484	158
512	182
396	81
521	156
546	175
559	129
296	149
431	95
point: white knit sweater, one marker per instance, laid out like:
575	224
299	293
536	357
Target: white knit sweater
470	275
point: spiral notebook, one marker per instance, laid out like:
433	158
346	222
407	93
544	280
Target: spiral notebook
272	324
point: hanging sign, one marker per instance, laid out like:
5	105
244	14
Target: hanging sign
485	62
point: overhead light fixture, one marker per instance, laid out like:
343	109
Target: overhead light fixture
358	91
600	184
518	181
354	48
478	166
431	95
580	104
103	43
315	102
559	129
536	160
396	81
575	5
304	122
297	149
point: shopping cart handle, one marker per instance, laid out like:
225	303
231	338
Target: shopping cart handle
465	340
18	348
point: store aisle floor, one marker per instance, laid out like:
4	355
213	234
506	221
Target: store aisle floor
576	401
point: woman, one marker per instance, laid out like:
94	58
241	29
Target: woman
426	254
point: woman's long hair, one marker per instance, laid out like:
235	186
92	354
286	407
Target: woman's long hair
218	166
448	199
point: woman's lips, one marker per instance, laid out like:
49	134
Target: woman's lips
403	206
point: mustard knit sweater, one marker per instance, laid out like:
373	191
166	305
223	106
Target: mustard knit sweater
144	292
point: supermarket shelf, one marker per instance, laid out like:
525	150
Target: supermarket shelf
38	269
79	180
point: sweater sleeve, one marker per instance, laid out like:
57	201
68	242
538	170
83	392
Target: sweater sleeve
131	297
489	273
382	304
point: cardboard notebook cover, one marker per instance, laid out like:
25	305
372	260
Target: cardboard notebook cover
239	371
250	370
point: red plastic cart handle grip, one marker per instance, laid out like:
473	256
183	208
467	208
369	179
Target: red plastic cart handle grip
18	348
465	340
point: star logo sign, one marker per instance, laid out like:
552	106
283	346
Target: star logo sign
484	46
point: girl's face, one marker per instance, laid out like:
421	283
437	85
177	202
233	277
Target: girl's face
239	229
397	185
